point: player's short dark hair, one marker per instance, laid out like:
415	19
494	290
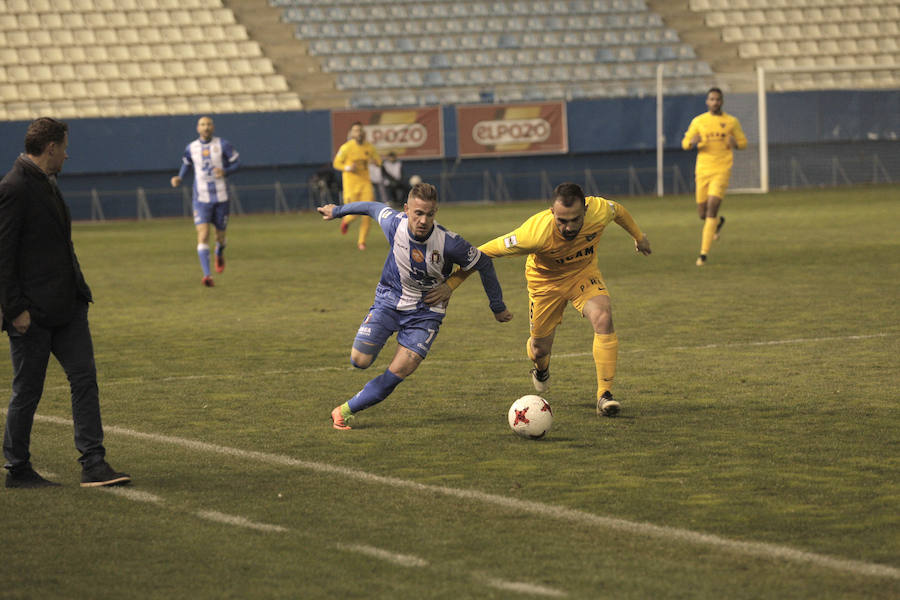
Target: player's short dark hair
354	124
424	191
568	193
717	90
41	132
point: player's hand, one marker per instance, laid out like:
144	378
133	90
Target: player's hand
22	322
348	168
175	181
695	140
643	245
732	143
219	172
326	211
503	316
438	295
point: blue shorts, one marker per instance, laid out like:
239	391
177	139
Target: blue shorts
416	330
212	212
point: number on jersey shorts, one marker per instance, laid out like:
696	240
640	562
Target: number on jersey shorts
416	330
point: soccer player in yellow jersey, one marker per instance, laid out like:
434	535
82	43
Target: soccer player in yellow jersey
714	134
562	267
352	159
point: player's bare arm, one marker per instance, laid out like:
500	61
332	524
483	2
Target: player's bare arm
695	140
326	211
175	181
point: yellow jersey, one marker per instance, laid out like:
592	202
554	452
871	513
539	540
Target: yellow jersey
357	156
551	257
713	153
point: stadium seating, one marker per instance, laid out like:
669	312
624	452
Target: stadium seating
813	44
467	50
116	58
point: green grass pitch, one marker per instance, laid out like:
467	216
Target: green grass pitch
756	455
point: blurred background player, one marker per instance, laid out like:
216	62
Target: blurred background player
562	267
213	159
714	134
392	178
422	255
353	159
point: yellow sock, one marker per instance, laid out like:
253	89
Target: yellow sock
606	352
709	230
541	364
363	230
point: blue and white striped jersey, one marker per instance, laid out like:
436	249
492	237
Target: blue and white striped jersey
413	267
205	157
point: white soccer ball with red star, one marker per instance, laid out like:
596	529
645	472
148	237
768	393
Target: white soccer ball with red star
530	416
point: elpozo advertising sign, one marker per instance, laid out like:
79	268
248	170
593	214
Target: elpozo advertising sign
410	132
512	129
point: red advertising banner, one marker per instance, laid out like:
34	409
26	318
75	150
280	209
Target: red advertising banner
410	132
503	129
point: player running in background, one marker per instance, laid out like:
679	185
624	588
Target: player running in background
422	255
714	134
562	267
213	159
353	159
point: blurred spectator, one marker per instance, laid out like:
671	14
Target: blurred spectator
395	185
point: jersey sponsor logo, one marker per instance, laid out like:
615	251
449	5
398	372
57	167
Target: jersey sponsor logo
365	330
511	131
417	255
586	252
397	135
510	241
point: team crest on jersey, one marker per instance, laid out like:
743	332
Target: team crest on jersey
435	257
206	152
510	241
417	255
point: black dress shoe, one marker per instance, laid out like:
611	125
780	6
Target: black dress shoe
27	478
102	474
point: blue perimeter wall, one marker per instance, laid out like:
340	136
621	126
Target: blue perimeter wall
121	154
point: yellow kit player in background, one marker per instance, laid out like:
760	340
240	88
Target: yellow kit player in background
562	267
714	134
352	159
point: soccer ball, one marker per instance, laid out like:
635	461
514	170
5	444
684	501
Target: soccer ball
530	416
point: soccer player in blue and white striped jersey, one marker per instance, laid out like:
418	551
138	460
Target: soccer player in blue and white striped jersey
422	255
212	159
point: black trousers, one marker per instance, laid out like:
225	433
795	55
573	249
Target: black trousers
72	346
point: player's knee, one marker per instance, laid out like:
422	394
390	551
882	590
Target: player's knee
602	321
361	361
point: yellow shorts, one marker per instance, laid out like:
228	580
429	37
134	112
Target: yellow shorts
358	192
546	303
712	184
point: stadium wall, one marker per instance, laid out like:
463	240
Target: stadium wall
611	146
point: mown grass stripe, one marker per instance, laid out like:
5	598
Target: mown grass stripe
757	549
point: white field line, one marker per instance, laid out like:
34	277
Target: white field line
132	494
496	359
404	560
212	515
525	588
758	549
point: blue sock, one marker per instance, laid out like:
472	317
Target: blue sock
203	253
375	391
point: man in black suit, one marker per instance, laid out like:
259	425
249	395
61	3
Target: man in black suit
44	301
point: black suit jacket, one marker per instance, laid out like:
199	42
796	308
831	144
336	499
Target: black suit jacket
39	271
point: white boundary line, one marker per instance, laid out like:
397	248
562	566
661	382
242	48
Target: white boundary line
758	549
132	380
404	560
212	515
524	588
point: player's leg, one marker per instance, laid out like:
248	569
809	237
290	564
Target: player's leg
592	300
717	188
351	193
417	333
702	196
710	224
367	194
220	220
202	218
545	312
